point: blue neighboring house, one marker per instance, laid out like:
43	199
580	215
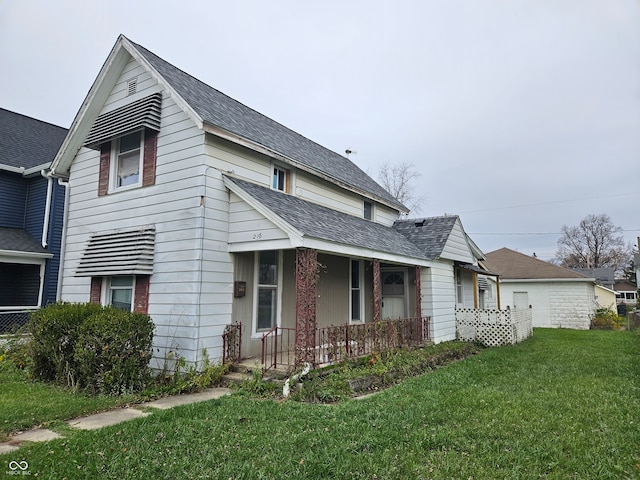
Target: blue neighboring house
31	216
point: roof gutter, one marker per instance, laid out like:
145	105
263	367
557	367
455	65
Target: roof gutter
545	280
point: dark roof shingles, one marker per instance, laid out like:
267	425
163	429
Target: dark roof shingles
325	223
27	142
18	240
430	235
220	110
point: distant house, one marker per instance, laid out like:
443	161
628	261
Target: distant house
31	216
605	276
626	293
559	297
205	214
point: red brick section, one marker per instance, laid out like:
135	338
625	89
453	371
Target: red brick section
141	294
103	175
377	291
306	294
418	293
149	158
96	290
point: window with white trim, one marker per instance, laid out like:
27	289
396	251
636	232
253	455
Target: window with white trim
267	277
120	292
357	294
459	287
127	160
368	210
281	179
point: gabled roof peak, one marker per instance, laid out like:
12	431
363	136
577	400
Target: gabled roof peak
221	115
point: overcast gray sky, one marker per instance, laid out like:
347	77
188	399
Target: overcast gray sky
520	115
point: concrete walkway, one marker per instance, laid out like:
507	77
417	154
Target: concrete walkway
112	417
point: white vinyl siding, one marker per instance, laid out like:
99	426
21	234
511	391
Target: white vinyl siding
235	160
247	226
188	290
439	300
457	247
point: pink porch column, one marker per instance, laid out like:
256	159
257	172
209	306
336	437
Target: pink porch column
306	294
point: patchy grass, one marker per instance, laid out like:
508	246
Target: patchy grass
377	371
562	405
25	403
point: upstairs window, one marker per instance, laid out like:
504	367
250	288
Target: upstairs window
368	210
281	179
127	139
127	160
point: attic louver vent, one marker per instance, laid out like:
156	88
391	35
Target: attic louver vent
132	86
119	252
143	113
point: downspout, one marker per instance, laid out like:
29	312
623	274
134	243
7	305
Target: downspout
45	233
63	241
203	218
47	209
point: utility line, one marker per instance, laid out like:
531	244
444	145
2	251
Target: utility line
536	233
549	203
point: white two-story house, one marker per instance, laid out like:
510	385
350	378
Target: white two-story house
192	207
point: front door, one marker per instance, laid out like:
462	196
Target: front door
393	294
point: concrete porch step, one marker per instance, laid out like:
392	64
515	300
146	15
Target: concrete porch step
236	378
246	365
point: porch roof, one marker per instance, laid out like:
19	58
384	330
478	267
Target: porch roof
316	221
17	242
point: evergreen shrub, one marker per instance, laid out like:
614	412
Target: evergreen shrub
88	346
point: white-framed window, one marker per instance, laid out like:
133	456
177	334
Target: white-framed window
368	210
268	276
119	292
281	179
459	287
357	291
126	165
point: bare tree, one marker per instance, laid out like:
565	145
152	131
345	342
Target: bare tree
399	180
595	242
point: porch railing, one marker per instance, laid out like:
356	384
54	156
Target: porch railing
278	347
12	319
231	341
336	343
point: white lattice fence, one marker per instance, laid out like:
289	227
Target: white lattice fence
493	327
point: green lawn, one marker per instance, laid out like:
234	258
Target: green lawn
25	404
565	404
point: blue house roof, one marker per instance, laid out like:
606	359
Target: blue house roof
26	142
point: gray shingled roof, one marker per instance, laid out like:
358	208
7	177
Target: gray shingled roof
27	142
326	224
18	240
219	110
430	235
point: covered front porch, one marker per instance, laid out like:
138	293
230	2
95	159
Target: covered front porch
302	305
23	264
